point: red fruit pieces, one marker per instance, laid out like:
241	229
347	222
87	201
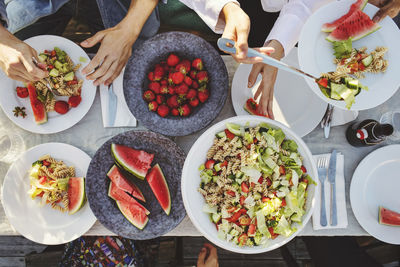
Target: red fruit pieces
153	105
155	87
172	60
172	102
194	102
175	112
61	107
202	77
163	110
149	95
197	64
177	77
188	80
74	101
203	95
22	92
184	110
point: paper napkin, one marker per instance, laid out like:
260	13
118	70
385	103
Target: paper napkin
341	116
124	117
340	197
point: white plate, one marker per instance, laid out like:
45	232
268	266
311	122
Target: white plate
316	55
56	122
44	224
376	182
294	104
194	201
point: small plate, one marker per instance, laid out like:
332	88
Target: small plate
170	158
56	122
376	182
316	55
294	104
43	224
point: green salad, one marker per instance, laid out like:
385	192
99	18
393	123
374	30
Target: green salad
254	184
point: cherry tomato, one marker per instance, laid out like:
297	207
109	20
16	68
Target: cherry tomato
42	180
22	92
269	182
242	199
229	135
323	82
41	194
361	67
244	220
209	164
282	170
283	203
260	180
236	216
303	169
252	230
46	163
224	163
231	209
231	193
245	187
265	199
271	231
242	239
53	53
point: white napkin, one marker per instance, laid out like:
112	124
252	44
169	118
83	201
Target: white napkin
341	116
123	117
340	197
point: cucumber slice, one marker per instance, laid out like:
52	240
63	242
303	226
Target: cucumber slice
69	76
42	57
216	217
221	134
217	167
54	73
367	61
58	65
234	128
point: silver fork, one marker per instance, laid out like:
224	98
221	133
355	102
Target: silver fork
322	165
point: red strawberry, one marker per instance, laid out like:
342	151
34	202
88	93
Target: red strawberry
158	73
191	94
188	80
22	92
164	82
61	107
163	110
153	106
155	87
192	74
197	64
171	90
183	66
177	77
172	60
175	112
195	85
181	89
203	95
74	101
148	95
194	102
160	99
170	77
164	65
187	64
164	89
150	76
173	101
202	77
184	110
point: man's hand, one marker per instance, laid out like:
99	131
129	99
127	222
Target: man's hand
269	73
208	261
16	59
389	8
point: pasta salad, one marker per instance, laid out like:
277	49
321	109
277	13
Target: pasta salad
49	180
254	184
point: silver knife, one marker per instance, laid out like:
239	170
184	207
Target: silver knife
332	181
327	126
112	105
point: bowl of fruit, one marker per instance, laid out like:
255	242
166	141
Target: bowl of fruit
175	83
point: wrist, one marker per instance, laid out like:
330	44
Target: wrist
130	31
279	50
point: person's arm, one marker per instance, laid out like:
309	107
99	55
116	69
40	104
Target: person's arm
116	43
16	58
389	8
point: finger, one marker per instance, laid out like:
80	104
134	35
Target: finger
94	63
241	44
380	14
259	91
101	70
229	32
255	70
89	42
270	104
212	250
111	70
202	257
18	78
34	72
115	75
265	50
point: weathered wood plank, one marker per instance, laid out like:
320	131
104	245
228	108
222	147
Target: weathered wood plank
12	246
48	259
12	262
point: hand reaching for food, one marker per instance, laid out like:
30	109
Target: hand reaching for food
208	256
389	8
16	59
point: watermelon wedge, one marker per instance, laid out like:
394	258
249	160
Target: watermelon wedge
359	5
119	195
123	183
136	162
76	194
389	217
133	214
251	107
158	184
38	108
356	26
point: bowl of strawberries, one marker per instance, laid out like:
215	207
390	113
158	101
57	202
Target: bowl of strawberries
175	83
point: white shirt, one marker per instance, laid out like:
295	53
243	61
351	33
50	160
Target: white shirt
286	29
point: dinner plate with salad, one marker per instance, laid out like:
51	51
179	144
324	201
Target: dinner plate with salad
248	184
355	58
43	194
57	102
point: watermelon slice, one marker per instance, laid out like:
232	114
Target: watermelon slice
133	214
356	26
38	108
158	184
389	217
119	195
329	27
251	107
136	162
76	194
123	183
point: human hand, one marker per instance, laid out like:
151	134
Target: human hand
266	88
208	261
16	59
112	56
389	8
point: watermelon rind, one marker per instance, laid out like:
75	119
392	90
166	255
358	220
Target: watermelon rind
163	183
337	22
134	202
383	213
248	110
137	224
123	165
82	198
358	36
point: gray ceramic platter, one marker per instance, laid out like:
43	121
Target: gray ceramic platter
170	158
157	49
